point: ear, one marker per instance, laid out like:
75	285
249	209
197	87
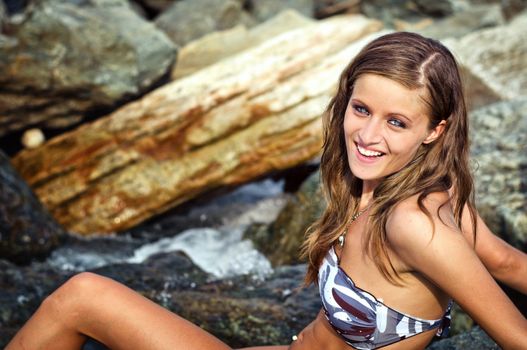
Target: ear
435	132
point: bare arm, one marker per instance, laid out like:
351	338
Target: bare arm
504	262
449	261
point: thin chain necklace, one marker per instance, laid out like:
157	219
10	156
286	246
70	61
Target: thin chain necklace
353	218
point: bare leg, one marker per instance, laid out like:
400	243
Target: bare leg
95	306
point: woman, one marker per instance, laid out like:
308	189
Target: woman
400	236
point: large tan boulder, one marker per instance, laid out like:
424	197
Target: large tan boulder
227	124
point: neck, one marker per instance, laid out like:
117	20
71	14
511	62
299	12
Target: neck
368	187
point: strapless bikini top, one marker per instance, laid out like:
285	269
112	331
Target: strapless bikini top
363	321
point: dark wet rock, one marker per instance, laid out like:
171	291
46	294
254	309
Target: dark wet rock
438	8
63	59
15	6
3	13
242	311
22	289
281	241
263	10
499	136
185	21
475	339
27	230
511	8
155	6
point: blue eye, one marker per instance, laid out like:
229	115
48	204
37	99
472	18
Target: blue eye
397	123
360	109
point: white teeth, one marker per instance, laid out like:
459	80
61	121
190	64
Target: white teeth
368	153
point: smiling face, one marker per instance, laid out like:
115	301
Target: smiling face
384	125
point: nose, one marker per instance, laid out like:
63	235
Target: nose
370	132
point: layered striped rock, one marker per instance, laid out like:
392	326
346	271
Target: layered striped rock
232	122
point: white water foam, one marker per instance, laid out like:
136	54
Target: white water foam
219	252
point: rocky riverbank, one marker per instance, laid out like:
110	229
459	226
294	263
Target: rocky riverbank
182	131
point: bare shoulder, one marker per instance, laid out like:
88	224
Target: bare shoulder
411	232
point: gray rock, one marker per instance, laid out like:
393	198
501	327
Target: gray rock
464	22
511	8
156	6
241	311
326	8
497	57
27	230
281	241
185	21
476	339
263	10
438	8
60	59
499	143
3	14
389	11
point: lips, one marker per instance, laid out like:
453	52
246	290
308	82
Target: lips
368	153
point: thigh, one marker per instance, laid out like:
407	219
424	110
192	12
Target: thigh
123	319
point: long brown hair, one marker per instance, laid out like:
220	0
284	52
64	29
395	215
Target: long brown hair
415	62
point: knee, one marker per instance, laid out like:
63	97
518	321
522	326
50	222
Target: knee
73	298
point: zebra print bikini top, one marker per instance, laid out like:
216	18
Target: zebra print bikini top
362	320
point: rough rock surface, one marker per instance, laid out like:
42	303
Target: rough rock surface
494	60
475	339
232	122
461	23
263	10
242	311
499	139
281	241
27	230
61	59
218	45
185	21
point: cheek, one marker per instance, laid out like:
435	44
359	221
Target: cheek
347	123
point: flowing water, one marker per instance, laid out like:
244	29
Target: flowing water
219	250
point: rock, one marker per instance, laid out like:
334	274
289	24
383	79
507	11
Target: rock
512	8
476	339
246	116
440	8
499	136
27	230
242	311
216	46
15	6
494	61
282	240
461	23
86	56
155	6
185	21
3	14
327	8
33	138
388	11
263	10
